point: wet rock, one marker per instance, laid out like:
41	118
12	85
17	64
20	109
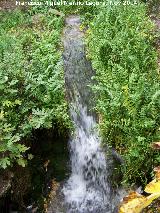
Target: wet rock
5	181
55	203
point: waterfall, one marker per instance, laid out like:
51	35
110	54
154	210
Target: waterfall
88	189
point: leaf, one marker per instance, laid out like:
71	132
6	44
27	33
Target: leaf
7	127
18	102
153	187
1	114
22	148
5	162
2	148
136	203
131	203
22	162
7	103
30	156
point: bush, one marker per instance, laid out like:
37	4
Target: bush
32	81
120	45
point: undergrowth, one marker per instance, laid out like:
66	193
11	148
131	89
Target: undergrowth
121	48
32	81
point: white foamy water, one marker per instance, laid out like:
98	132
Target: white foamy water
87	189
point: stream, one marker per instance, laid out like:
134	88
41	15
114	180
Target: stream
88	189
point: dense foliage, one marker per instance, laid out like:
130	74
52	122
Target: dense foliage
120	45
31	80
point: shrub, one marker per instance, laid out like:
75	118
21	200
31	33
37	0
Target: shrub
120	45
32	81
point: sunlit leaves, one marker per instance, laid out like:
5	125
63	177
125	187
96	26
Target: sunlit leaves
153	187
21	162
1	114
5	162
135	203
41	118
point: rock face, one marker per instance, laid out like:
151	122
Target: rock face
26	189
5	185
5	181
55	202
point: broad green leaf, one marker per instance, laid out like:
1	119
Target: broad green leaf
22	148
22	162
4	162
18	102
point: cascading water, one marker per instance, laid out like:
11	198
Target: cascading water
88	189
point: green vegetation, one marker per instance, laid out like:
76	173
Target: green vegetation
120	45
31	80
